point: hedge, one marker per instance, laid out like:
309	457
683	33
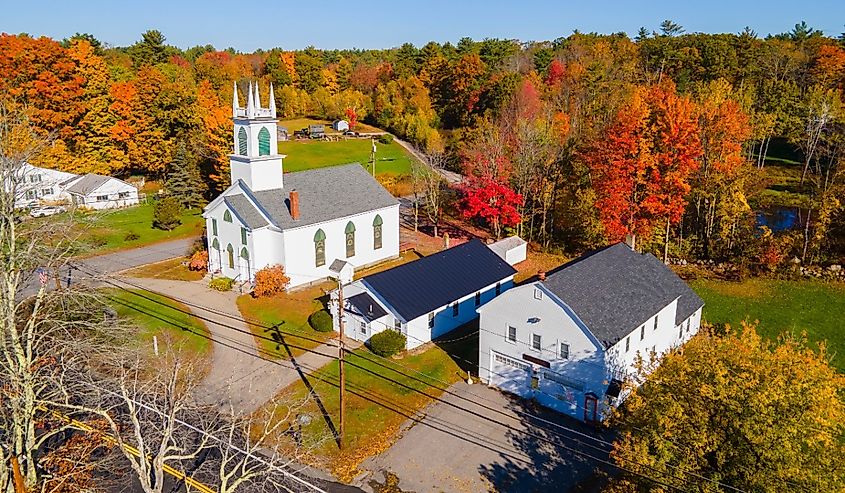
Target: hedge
321	321
388	342
221	284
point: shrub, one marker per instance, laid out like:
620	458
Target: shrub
167	214
269	281
388	342
321	321
131	236
199	261
385	139
221	284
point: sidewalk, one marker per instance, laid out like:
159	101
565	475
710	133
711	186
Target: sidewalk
238	377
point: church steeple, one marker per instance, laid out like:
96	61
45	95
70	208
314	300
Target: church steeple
256	159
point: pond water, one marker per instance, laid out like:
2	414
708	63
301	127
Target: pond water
781	218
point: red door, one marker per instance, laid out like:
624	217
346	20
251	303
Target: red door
591	403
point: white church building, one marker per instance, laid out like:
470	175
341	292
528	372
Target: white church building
302	221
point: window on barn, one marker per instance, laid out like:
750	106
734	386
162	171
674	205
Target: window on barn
688	321
377	222
627	343
242	142
227	216
263	142
350	239
642	332
231	253
319	248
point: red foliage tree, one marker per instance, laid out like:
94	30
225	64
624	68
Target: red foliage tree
351	117
555	73
492	201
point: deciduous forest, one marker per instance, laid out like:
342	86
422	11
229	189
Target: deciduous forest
674	140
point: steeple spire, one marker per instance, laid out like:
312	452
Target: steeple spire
272	102
250	103
257	96
235	104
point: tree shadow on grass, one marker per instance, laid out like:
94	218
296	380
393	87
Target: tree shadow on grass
554	458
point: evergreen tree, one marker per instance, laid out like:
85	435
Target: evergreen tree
183	181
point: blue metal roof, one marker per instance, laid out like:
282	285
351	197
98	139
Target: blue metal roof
418	287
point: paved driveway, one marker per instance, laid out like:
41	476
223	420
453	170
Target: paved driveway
455	450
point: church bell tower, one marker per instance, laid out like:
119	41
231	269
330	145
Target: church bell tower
256	159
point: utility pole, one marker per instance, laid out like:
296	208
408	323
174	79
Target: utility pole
340	363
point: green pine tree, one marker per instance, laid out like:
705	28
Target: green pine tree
183	179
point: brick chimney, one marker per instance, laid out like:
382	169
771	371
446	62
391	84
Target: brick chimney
294	205
541	275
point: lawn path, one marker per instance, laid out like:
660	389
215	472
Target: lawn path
237	376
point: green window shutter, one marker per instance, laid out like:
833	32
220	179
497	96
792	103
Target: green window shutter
243	236
319	248
242	142
263	142
214	226
227	216
215	244
350	240
377	222
231	253
244	254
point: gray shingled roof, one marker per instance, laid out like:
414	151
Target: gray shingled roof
615	290
88	184
245	210
324	194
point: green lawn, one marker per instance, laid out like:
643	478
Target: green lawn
370	426
154	314
107	230
814	307
289	311
391	159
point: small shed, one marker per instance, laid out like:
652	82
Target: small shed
281	133
340	125
512	250
342	271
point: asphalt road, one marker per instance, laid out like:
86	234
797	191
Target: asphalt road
114	262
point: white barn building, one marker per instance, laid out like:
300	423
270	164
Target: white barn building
570	340
100	192
302	221
426	298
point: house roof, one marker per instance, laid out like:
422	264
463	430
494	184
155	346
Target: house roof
245	210
363	304
423	285
614	290
88	184
325	194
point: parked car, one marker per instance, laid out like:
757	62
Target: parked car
46	211
350	133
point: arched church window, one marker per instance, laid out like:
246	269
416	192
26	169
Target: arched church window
242	142
350	239
231	252
244	254
319	248
215	244
227	216
263	142
377	222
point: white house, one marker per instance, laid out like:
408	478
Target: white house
100	192
302	221
36	185
426	298
570	339
340	125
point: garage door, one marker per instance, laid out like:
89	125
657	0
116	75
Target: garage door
510	374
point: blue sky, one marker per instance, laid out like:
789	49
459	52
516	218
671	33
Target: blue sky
291	24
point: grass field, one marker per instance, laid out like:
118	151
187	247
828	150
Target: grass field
169	269
370	426
814	307
309	154
107	230
155	315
